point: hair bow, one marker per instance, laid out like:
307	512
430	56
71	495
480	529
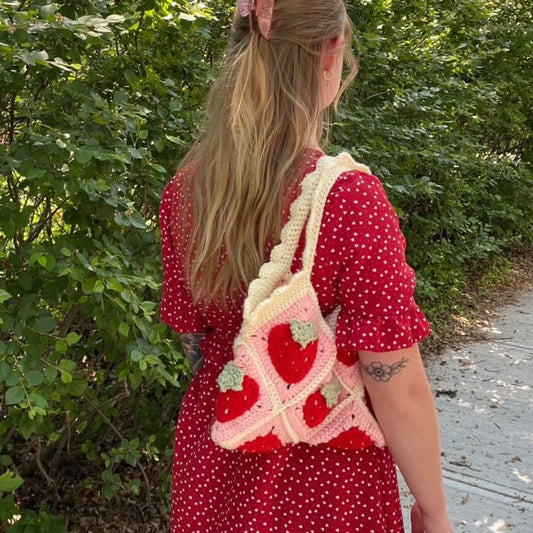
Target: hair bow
264	11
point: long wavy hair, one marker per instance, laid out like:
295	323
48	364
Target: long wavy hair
262	112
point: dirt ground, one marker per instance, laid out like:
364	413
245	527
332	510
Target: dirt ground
481	303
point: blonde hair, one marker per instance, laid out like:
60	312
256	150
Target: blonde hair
262	112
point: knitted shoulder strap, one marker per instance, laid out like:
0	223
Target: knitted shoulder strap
314	191
345	164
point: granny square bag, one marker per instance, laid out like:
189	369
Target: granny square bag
287	383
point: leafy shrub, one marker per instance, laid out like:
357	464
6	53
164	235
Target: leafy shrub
442	113
98	101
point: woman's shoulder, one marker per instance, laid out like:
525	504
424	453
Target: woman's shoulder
181	176
355	186
358	202
173	191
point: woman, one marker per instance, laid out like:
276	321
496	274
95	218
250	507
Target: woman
220	217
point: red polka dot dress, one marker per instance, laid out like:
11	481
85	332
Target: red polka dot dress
360	264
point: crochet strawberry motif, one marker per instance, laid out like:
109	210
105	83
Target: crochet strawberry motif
261	444
292	348
238	393
348	357
352	438
315	409
319	404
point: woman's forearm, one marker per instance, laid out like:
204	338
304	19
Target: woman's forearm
403	403
412	434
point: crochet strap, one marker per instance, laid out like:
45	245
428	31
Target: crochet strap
308	207
345	163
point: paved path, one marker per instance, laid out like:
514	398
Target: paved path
485	403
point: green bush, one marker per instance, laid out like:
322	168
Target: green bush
98	102
441	112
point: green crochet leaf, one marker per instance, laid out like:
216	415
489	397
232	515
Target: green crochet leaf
303	332
331	392
231	378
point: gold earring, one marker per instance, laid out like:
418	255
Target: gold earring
328	76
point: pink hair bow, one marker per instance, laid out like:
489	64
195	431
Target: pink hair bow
264	11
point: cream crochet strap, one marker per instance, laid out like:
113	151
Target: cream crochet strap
309	206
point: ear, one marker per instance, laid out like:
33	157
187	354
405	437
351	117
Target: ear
329	51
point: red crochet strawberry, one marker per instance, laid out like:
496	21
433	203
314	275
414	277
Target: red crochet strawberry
266	443
233	403
291	361
348	357
315	409
353	438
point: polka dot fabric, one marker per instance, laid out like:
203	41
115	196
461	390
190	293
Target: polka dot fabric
360	264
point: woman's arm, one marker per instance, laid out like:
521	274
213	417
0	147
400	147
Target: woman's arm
190	344
405	409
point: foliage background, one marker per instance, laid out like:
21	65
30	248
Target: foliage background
99	100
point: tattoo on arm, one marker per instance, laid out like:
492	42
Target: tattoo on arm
381	372
190	343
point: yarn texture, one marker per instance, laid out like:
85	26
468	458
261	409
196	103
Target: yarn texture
288	383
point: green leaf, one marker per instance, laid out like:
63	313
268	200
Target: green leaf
10	482
26	281
61	346
159	168
78	274
6	460
83	156
45	324
115	19
66	365
4	296
136	154
34	378
14	395
38	401
50	374
50	262
48	10
5	369
26	57
124	329
131	78
12	378
72	338
175	140
78	387
137	221
136	355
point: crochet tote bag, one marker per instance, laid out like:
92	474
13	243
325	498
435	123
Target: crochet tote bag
287	383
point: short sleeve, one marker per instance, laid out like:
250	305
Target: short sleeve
375	284
176	308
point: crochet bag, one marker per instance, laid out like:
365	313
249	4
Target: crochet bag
287	383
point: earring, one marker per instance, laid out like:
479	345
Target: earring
328	76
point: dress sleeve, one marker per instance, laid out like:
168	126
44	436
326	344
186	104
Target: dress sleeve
176	307
375	283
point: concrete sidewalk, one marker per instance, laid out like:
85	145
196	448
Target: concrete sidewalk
485	404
